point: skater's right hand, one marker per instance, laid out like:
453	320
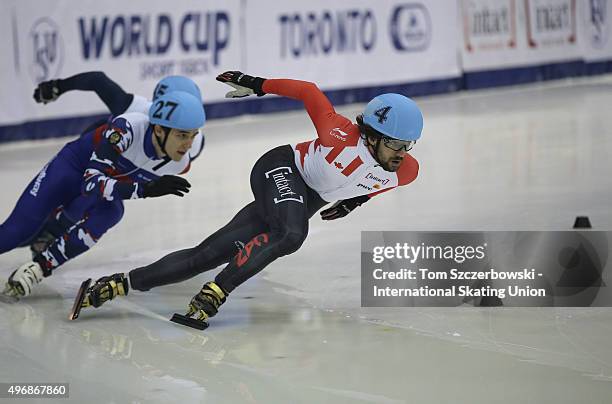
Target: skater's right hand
47	91
165	185
244	84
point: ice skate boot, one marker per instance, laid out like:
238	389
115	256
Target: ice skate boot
105	289
203	306
23	279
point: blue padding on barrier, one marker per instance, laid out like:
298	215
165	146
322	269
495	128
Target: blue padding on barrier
522	75
596	68
252	105
468	81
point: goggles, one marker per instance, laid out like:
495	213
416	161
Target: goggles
393	144
397	145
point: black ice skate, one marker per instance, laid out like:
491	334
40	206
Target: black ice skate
9	294
205	304
105	289
78	301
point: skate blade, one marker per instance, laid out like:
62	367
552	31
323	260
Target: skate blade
5	297
78	301
189	322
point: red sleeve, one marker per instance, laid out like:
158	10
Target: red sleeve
320	110
407	173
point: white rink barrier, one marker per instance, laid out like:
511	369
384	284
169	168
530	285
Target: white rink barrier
352	49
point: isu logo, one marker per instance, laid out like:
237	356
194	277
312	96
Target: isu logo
599	23
46	50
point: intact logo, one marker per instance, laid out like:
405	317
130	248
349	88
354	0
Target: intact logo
598	18
489	27
550	23
338	134
410	27
382	181
46	51
285	192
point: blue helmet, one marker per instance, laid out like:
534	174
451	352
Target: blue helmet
395	116
176	83
178	110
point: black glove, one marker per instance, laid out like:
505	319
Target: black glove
244	84
343	207
167	184
47	91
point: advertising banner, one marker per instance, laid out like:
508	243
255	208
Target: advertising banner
354	43
134	43
596	18
500	34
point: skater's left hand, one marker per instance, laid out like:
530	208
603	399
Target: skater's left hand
46	92
343	207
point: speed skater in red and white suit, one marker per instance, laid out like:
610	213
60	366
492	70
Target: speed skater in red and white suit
348	162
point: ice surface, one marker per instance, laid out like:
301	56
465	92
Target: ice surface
528	158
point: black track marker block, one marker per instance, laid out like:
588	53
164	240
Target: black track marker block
582	222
